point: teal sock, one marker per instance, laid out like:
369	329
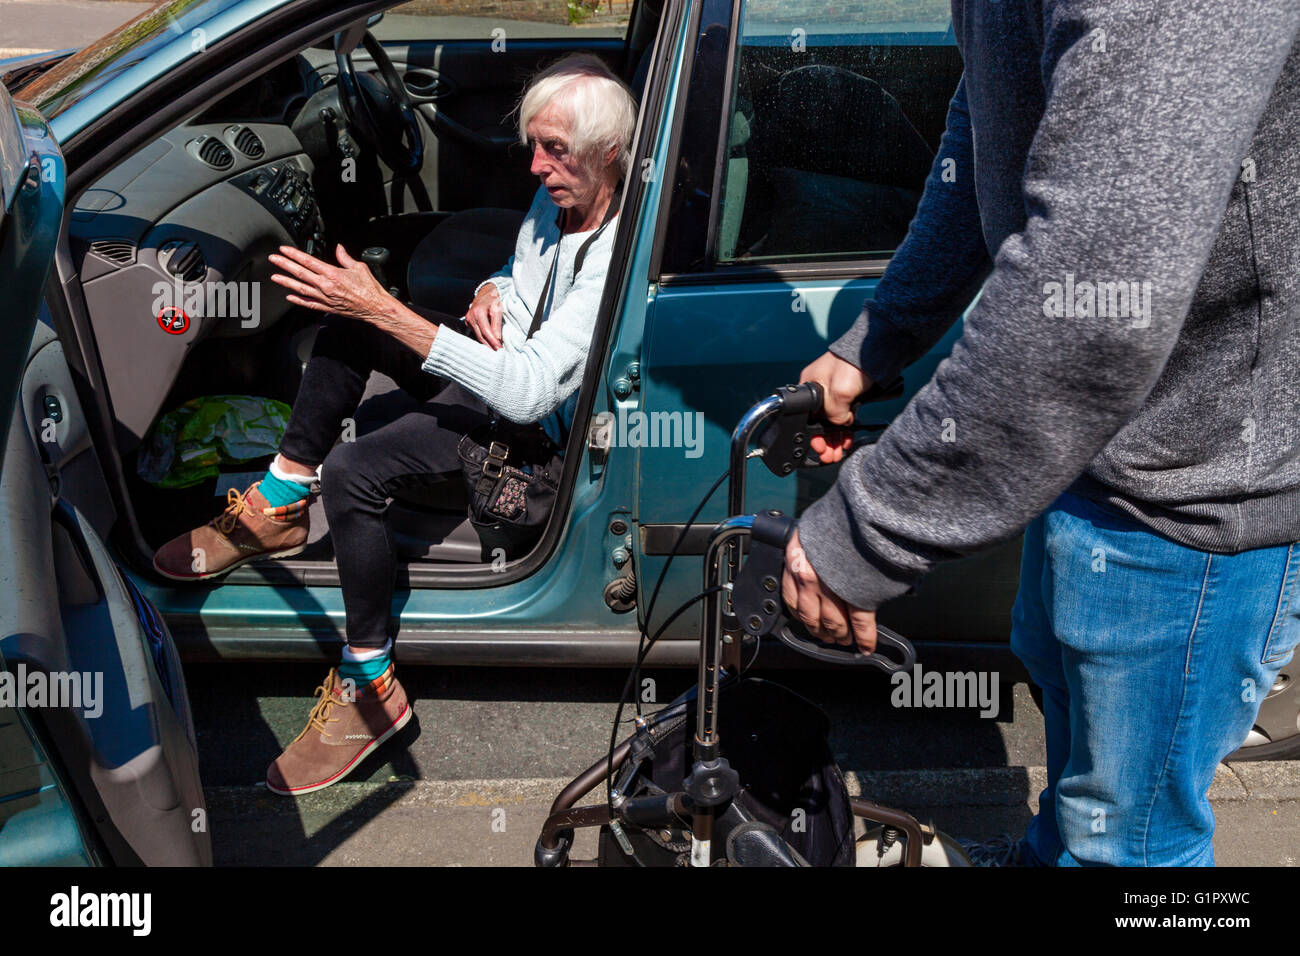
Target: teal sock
363	672
279	492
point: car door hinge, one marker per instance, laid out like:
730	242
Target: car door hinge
620	593
600	436
629	381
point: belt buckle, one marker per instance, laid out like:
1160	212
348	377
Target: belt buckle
496	459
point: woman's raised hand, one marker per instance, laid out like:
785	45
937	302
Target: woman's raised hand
484	316
347	289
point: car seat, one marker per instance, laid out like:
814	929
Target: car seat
469	245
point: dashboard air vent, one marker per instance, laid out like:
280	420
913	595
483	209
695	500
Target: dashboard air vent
121	251
183	259
215	153
247	142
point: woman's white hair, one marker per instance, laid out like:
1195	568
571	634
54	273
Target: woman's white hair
600	109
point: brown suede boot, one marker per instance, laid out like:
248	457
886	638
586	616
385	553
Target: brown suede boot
340	733
248	529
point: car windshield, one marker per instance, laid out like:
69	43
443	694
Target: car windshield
79	75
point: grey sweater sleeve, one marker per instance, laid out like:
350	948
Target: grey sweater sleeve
936	270
1127	179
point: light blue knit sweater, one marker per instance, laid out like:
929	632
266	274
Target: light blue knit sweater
537	379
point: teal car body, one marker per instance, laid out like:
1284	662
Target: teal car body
706	341
735	264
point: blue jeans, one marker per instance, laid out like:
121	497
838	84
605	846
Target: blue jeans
1153	659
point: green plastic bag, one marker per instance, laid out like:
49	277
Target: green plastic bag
191	443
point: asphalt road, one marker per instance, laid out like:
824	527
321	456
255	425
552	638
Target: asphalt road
470	779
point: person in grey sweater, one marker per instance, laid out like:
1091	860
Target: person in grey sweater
1119	183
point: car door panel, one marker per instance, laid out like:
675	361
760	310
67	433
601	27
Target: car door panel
32	189
68	611
715	350
117	740
65	447
775	237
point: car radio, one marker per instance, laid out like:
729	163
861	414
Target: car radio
285	189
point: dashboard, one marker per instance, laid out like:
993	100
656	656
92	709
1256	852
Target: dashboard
171	248
171	245
277	96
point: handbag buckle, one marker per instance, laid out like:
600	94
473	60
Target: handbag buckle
496	459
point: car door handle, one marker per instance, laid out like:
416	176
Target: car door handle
442	123
426	85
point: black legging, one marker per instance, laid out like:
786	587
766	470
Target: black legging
418	449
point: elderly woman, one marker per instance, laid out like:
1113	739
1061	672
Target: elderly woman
577	119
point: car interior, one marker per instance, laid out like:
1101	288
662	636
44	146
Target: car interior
433	195
405	152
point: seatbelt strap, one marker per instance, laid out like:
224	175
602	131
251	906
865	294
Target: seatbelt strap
577	267
538	313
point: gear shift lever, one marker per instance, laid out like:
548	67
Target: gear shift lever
376	257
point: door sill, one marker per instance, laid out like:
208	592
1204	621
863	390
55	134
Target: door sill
199	641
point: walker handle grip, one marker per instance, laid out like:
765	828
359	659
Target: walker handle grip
787	442
756	600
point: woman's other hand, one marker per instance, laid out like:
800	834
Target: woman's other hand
348	289
484	316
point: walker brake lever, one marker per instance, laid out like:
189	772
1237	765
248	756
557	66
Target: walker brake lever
756	601
786	442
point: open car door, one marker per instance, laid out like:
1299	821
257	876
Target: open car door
98	763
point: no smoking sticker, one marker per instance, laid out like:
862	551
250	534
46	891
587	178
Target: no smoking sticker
173	320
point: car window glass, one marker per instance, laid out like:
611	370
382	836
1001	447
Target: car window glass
504	20
835	113
13	164
76	77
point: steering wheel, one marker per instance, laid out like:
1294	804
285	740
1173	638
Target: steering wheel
380	113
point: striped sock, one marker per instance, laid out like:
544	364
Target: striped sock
281	489
363	666
279	493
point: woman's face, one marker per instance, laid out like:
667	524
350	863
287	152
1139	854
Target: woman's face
569	181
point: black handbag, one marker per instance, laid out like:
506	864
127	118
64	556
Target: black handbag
512	472
512	475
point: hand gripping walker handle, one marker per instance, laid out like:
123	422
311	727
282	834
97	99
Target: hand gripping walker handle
756	600
786	442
